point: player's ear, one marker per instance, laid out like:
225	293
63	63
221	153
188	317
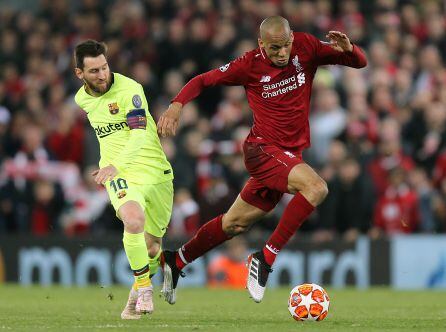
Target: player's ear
291	36
260	42
79	73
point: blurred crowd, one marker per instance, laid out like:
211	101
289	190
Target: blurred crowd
378	134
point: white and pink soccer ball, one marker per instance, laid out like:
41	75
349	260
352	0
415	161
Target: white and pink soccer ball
308	302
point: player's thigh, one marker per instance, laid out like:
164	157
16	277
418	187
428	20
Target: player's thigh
131	212
158	208
303	177
126	198
240	216
259	195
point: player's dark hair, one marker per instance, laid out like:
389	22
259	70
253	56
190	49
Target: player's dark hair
88	48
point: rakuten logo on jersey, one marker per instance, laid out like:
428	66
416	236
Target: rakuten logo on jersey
103	131
284	86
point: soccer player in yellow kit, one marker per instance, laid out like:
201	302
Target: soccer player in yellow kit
133	166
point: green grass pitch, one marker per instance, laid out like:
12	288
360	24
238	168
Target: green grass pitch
201	309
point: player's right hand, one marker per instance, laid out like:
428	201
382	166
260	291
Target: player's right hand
339	41
104	174
168	122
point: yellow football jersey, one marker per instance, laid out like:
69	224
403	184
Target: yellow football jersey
136	153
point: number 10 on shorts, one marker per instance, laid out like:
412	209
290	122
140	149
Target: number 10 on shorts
119	184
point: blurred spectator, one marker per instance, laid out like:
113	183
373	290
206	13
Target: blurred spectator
229	270
47	203
88	202
425	135
33	185
327	122
185	215
217	197
397	209
439	207
427	196
353	200
185	160
5	117
390	155
66	141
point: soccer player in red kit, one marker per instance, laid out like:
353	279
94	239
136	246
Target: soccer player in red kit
277	77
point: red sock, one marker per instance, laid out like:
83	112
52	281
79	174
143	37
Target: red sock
295	213
207	237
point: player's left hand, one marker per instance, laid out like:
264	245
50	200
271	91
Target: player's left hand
339	41
104	174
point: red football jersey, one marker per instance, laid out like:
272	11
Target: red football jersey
279	97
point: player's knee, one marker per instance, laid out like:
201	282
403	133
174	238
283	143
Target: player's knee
318	191
323	190
240	229
235	230
134	225
133	221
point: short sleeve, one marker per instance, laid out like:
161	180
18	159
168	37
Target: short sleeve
134	99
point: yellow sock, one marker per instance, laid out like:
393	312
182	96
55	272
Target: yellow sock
142	277
136	251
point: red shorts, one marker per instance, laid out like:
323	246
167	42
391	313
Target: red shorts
269	167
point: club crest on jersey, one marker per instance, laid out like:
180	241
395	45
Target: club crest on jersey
297	64
136	100
113	108
289	154
121	194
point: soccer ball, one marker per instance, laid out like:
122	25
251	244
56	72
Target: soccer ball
308	302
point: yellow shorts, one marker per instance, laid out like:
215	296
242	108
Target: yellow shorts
155	199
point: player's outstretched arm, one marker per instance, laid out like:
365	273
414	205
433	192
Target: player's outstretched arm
169	121
339	51
233	73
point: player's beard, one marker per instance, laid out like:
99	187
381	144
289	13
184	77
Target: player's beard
99	88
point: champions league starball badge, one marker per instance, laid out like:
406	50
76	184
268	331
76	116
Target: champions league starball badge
136	100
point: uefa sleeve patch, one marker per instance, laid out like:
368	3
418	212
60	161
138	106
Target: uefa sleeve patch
137	101
136	119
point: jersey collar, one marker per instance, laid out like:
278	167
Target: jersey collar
265	59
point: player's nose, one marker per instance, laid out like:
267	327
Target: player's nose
102	75
282	52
